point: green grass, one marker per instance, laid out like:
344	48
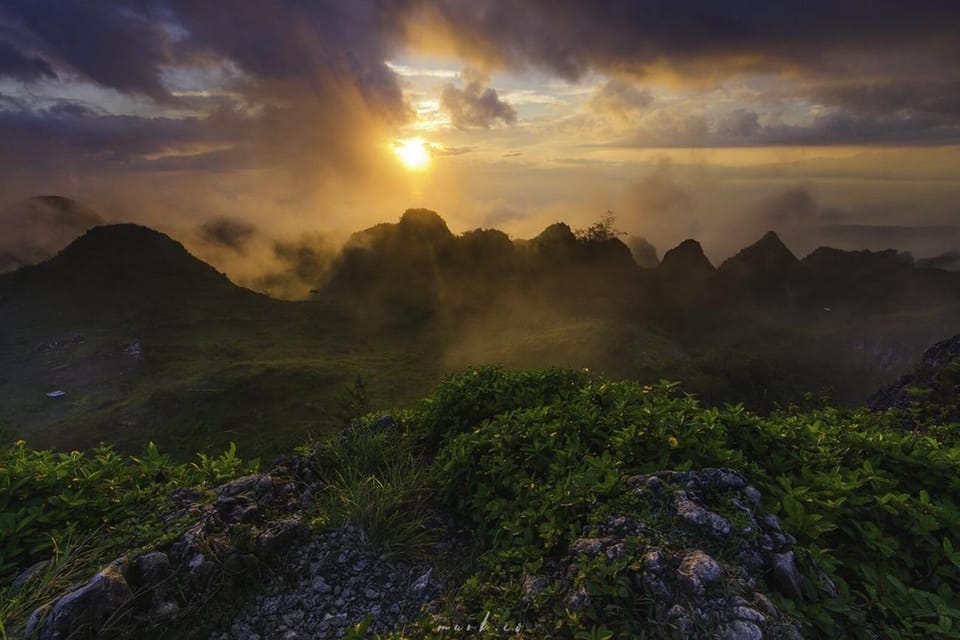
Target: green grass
520	463
222	364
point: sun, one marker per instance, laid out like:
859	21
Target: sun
414	153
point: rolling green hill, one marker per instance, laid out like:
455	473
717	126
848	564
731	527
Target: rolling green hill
146	342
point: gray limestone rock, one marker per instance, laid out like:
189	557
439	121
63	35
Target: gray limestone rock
85	610
698	571
699	517
742	630
786	575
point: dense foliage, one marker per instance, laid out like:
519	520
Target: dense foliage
524	462
77	510
526	456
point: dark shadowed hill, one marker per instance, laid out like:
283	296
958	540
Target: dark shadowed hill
686	262
949	261
874	281
683	285
148	342
127	256
766	268
418	267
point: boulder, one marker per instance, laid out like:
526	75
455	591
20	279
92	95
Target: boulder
86	610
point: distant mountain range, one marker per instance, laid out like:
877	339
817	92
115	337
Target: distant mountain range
419	263
409	300
420	254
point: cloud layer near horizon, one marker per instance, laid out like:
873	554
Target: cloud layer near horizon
282	114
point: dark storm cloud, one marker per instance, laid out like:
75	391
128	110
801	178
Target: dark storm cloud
117	44
65	132
290	99
935	96
316	43
475	106
745	128
22	66
890	69
863	129
298	60
569	37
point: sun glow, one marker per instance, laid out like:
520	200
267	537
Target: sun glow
414	153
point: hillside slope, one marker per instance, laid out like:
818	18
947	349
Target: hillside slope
137	340
554	502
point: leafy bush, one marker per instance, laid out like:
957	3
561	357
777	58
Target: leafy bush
526	455
527	460
48	497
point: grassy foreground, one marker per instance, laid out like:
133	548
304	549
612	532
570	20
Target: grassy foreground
522	462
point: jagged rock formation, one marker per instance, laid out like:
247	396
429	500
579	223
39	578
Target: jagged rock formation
765	269
87	608
686	262
932	390
419	266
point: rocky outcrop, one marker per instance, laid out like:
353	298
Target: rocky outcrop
766	271
333	583
87	610
686	262
320	585
932	389
697	546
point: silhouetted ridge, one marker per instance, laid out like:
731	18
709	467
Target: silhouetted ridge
129	254
424	222
686	261
857	263
765	269
556	242
949	261
766	256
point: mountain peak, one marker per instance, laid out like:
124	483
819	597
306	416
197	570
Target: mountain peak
129	254
767	257
686	260
424	222
770	237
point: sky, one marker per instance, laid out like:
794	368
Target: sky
242	124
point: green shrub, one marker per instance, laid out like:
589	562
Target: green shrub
48	497
527	455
